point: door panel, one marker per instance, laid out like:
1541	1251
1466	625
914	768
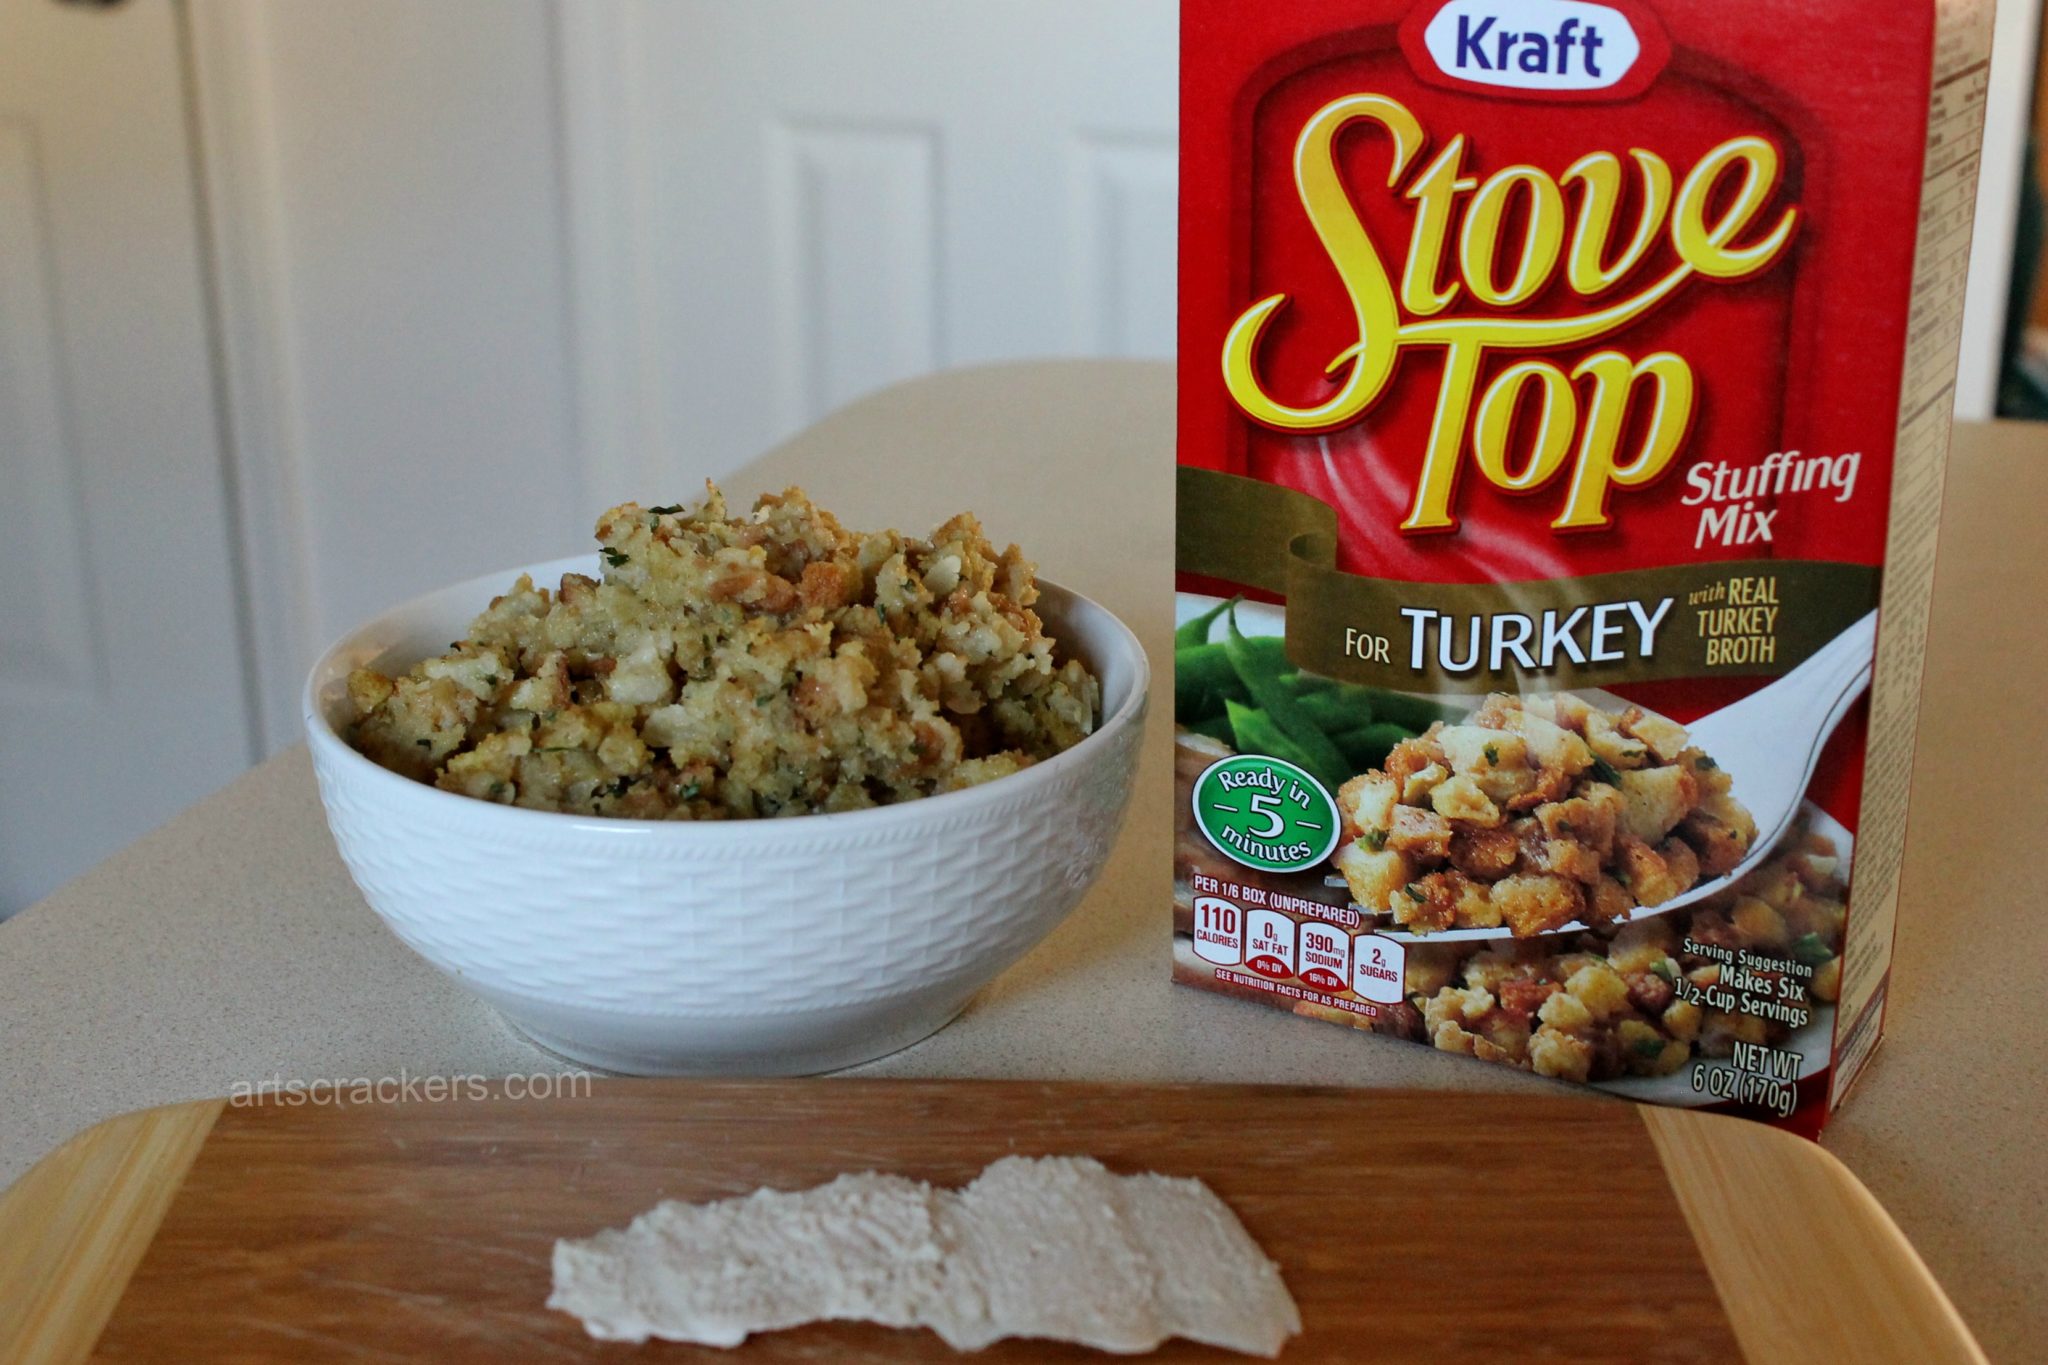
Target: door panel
779	206
45	645
122	682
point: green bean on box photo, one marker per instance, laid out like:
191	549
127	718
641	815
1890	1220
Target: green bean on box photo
1243	691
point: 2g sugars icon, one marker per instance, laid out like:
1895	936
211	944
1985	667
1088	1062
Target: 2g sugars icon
1265	813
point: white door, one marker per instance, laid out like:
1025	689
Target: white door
780	205
122	680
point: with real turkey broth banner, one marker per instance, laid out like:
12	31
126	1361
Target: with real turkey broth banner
1564	400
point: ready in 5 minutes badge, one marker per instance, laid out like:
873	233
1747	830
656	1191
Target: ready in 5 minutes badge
1265	813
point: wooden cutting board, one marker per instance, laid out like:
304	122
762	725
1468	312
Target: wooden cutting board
1410	1226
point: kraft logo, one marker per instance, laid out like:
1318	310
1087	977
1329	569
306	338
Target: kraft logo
1570	49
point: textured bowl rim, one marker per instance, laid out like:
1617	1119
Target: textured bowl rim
329	744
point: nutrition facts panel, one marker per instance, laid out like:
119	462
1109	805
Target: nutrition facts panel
1927	395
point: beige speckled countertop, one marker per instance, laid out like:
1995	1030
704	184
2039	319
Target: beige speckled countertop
230	947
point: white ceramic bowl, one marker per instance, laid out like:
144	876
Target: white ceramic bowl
760	946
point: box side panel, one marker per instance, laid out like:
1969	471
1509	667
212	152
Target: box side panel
1955	123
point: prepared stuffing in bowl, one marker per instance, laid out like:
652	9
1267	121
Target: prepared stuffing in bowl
1536	812
767	664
